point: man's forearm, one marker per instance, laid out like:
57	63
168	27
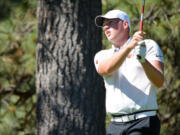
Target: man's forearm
154	72
110	65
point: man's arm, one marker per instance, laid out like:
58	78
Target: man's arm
155	72
107	67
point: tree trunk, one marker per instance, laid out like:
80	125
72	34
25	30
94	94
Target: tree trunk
70	94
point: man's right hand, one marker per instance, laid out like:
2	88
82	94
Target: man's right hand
136	38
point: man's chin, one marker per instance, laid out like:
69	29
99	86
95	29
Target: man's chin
110	39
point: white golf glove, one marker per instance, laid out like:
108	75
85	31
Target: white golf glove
140	51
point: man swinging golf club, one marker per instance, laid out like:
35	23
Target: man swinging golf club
132	73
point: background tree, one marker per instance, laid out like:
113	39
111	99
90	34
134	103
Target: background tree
70	94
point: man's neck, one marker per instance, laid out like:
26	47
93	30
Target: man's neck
122	42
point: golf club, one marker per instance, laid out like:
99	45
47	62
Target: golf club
142	43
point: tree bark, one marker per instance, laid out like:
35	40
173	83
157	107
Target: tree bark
70	93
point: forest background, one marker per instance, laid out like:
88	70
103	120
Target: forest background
18	36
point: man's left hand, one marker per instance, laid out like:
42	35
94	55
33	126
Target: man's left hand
140	51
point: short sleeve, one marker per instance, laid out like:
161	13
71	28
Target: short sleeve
153	51
101	56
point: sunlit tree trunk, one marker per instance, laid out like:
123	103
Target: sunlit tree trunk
70	94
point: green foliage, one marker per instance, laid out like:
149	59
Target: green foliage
18	34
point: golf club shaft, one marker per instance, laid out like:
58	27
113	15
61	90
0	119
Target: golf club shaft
141	28
142	15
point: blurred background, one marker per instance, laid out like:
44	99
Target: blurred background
18	35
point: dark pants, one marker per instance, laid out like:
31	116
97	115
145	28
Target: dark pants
143	126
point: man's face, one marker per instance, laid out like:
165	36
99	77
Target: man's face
113	29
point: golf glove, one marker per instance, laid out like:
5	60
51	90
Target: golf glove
140	51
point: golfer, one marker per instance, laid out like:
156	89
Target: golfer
132	70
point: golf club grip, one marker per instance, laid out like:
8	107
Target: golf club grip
141	25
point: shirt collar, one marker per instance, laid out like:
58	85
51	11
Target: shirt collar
126	43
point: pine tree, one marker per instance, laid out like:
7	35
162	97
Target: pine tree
70	94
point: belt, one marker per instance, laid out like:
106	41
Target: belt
131	117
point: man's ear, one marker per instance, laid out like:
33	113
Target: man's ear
125	24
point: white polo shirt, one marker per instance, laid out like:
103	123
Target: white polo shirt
128	89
